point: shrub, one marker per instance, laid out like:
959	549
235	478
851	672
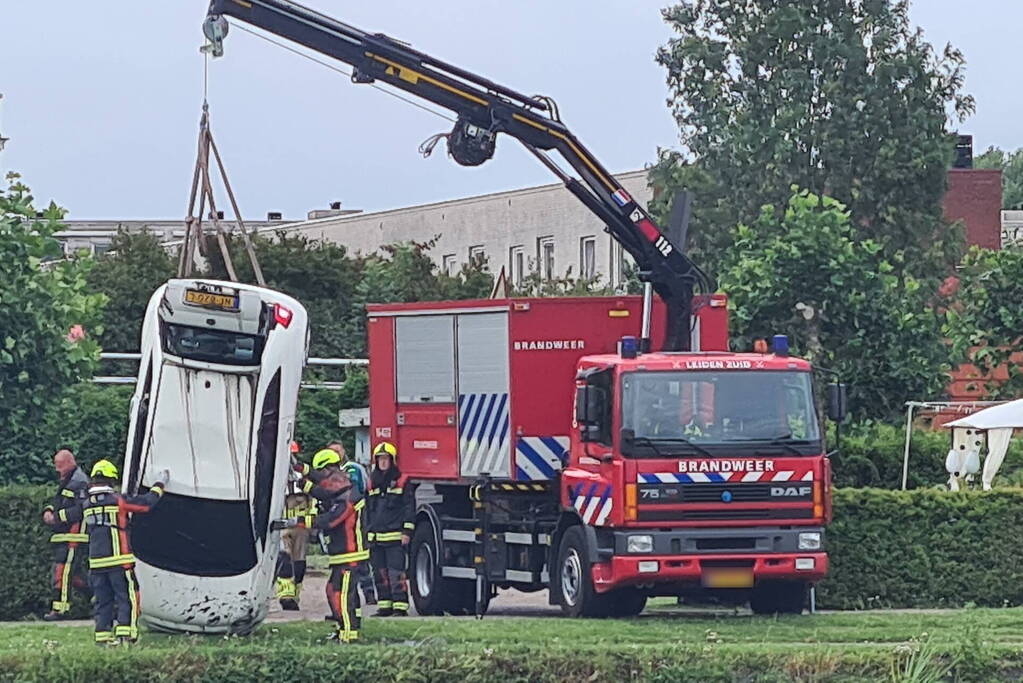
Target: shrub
924	548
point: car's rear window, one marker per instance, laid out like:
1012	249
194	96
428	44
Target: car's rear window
212	346
196	536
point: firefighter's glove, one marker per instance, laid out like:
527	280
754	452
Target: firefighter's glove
279	524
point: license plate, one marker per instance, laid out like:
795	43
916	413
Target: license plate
225	302
728	578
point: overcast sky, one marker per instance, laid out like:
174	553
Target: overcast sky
101	99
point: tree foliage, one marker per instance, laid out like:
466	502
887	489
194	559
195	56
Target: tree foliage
843	98
1011	166
128	274
48	318
804	272
985	320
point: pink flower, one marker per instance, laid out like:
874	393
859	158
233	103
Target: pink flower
76	333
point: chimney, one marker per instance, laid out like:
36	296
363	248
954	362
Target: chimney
335	206
334	210
964	152
220	215
274	216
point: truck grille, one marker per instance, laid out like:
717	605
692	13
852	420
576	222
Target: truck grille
778	492
725	513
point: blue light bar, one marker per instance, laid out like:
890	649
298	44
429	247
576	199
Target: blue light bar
780	345
628	347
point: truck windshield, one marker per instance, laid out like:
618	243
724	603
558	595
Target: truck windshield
761	411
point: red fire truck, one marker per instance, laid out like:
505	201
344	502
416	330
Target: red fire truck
662	473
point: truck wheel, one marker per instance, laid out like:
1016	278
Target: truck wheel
779	597
625	602
574	583
425	571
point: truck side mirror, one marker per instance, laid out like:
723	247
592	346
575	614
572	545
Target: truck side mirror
837	402
590	405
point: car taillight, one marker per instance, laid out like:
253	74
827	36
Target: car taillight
282	315
630	502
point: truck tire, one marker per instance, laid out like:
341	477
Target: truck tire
575	592
779	597
425	572
625	602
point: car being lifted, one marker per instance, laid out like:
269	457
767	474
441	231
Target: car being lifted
215	401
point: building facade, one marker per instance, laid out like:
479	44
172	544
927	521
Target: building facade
544	229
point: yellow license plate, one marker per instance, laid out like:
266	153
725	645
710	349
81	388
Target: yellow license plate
728	578
226	302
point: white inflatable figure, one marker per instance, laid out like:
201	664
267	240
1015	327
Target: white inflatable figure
963	460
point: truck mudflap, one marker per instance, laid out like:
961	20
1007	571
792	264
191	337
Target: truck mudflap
714	571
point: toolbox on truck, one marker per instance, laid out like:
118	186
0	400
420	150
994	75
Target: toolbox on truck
467	388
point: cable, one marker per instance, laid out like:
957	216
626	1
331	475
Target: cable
333	67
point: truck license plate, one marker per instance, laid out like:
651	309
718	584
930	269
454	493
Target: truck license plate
224	302
727	578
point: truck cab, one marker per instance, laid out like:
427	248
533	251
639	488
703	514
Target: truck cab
698	473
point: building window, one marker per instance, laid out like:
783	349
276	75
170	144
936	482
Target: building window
449	264
588	257
477	256
617	266
517	265
546	257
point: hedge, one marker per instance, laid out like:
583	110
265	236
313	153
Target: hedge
924	548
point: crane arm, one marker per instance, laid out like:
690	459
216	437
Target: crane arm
484	109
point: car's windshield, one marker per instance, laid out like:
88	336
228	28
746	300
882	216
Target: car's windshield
753	410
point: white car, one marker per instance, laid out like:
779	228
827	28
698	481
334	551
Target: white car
214	404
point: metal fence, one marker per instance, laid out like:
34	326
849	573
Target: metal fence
343	363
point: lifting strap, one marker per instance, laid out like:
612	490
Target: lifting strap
202	190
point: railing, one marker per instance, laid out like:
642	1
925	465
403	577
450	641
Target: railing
314	362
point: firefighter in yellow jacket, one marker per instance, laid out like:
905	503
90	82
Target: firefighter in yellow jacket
291	562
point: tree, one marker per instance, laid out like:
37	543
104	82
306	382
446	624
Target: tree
843	98
1011	166
128	275
48	319
805	273
984	320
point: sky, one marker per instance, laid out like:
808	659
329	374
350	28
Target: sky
102	99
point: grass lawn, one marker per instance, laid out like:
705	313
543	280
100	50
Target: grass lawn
975	644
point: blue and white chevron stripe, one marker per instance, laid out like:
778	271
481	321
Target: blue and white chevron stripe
483	434
540	457
593	502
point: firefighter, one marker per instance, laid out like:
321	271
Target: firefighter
291	562
68	538
360	480
111	562
391	510
339	522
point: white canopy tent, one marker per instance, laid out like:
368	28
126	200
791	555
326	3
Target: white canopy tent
998	422
916	408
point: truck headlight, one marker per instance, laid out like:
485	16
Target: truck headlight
810	540
640	544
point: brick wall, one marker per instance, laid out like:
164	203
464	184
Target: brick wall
974	196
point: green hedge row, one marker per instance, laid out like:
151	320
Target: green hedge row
922	548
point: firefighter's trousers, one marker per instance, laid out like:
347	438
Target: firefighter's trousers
392	583
117	595
365	575
291	562
69	571
343	597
